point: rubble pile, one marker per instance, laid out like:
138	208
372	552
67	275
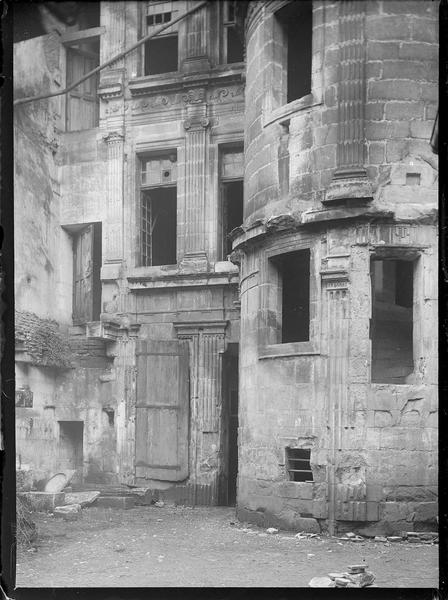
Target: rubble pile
356	576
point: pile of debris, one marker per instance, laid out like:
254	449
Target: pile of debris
356	576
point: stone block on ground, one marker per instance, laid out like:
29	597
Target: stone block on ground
42	501
123	502
321	582
71	512
81	498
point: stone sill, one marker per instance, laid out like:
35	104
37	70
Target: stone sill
285	112
289	349
177	81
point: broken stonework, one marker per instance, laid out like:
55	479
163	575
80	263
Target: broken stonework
70	512
81	498
123	502
42	501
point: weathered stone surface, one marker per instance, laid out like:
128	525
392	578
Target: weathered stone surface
123	502
318	582
43	501
81	498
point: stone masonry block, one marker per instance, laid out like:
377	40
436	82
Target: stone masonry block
293	489
123	502
402	111
392	28
382	50
418	51
43	501
394	511
407	69
422	129
424	511
424	30
393	90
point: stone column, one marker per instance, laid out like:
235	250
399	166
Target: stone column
350	179
336	320
197	41
113	225
196	139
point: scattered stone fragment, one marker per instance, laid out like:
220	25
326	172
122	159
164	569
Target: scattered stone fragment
81	498
379	538
119	547
334	576
360	579
303	535
159	503
67	509
321	582
341	582
123	502
350	534
357	568
394	538
271	530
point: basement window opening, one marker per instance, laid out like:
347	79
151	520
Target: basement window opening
392	320
295	21
298	464
294	281
159	210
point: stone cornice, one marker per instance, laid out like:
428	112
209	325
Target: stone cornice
180	83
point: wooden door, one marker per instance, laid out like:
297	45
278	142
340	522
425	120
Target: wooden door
162	411
82	102
83	276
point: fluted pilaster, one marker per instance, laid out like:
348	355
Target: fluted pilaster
113	225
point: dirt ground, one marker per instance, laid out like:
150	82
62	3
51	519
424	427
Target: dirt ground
203	546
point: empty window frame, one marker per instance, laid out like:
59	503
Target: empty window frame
295	45
391	329
293	271
161	53
231	208
298	464
232	42
82	106
86	274
159	210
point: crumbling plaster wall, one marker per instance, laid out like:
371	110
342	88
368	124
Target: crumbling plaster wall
382	439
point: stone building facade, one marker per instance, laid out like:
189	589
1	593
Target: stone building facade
278	351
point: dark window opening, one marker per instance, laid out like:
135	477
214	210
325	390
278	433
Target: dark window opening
294	272
161	55
24	397
298	464
296	20
110	415
392	320
87	258
232	212
235	46
159	218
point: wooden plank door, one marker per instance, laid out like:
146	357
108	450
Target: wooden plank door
82	102
83	276
162	411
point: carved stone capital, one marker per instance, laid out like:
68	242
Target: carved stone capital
194	96
113	137
192	123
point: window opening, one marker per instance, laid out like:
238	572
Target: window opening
392	320
296	22
233	39
160	53
82	106
294	275
159	210
298	464
232	165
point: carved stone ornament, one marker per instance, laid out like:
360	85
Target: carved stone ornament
203	123
113	137
194	96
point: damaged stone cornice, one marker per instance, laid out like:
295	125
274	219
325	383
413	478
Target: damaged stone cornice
152	84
